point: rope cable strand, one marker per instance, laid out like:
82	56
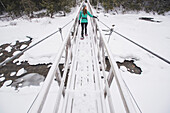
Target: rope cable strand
75	23
33	102
13	57
111	30
103	23
132	96
158	56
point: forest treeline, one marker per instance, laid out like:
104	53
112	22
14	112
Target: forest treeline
158	6
16	8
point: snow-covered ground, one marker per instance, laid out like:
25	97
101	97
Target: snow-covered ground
151	89
20	100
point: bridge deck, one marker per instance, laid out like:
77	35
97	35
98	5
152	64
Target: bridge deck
83	92
84	87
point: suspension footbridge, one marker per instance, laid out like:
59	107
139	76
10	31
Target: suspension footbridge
84	85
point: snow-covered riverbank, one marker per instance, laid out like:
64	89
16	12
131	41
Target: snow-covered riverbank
151	88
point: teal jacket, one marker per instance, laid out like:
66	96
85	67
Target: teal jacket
84	17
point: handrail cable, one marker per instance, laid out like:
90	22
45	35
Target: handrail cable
117	77
132	96
158	56
13	57
39	101
33	102
37	43
123	79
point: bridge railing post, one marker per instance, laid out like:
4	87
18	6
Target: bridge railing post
110	77
58	76
125	96
113	73
68	45
69	51
39	102
99	47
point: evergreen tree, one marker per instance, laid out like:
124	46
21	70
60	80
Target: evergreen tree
159	6
65	6
108	5
11	9
15	8
49	5
2	7
28	7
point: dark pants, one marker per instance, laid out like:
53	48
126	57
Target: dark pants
82	26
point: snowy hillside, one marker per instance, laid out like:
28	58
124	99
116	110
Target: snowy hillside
151	88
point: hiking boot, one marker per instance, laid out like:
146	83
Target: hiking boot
82	38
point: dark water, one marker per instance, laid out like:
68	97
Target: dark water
32	75
129	64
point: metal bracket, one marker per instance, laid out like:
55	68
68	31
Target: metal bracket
111	31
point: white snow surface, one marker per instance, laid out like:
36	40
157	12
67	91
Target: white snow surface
23	46
21	71
13	73
1	54
1	75
2	78
8	49
8	82
29	79
151	89
16	52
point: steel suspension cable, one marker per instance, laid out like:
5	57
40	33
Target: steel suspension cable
40	90
132	96
103	23
125	82
158	56
33	102
13	57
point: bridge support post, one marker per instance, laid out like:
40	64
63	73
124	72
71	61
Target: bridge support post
58	76
60	30
68	45
110	77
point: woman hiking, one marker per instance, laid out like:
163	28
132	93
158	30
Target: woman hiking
84	21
